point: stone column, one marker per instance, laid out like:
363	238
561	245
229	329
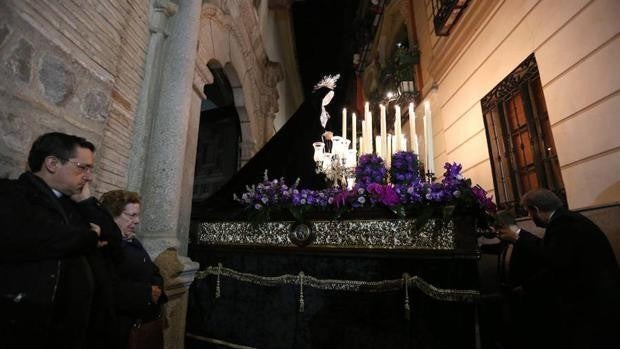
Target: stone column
162	10
165	158
163	188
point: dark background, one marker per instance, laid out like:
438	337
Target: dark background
325	40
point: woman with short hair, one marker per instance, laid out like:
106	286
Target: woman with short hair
140	292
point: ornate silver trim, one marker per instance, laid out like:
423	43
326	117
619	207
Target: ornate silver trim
384	234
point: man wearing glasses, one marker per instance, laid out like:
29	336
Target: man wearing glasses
57	248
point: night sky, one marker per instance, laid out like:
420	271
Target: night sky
324	35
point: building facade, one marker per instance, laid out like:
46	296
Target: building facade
523	94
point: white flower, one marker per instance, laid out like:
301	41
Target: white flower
361	199
257	206
264	200
457	193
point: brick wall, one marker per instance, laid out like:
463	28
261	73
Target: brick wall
71	66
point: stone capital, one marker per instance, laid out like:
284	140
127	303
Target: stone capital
202	77
162	9
167	7
284	5
273	73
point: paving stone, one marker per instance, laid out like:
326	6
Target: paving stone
15	132
57	80
5	30
19	61
95	105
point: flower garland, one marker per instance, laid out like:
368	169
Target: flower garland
407	195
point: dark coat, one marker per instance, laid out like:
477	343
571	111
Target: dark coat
137	273
577	287
46	279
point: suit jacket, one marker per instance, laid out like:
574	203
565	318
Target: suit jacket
46	280
578	279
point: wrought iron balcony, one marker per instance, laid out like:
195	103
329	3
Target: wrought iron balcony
446	13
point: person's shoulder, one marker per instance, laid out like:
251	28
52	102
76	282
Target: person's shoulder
575	223
8	185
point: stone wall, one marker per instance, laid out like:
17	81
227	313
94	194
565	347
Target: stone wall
75	69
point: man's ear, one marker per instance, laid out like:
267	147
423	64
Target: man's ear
51	164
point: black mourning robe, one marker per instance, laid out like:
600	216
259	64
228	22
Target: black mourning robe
289	154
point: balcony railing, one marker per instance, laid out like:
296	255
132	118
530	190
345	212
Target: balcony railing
446	13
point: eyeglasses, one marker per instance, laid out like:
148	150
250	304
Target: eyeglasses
131	215
82	167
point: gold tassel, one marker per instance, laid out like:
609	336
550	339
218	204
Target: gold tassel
407	307
301	291
218	291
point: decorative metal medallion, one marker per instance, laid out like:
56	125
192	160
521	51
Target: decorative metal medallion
301	234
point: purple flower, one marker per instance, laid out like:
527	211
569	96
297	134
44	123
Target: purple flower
370	169
384	194
405	168
484	201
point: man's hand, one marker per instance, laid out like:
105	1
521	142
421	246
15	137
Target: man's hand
508	232
155	293
94	227
328	135
83	195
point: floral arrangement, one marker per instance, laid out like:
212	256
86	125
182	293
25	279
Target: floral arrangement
410	196
370	169
405	168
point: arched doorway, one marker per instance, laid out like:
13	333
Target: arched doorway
218	152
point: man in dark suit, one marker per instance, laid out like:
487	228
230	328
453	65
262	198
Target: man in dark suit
52	236
574	292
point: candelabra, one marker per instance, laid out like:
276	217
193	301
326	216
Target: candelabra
338	164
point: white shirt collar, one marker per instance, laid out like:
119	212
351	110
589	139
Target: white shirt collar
57	193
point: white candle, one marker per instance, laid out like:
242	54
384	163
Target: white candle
378	146
354	131
397	128
394	144
363	138
428	126
412	131
370	133
424	123
388	151
403	143
361	143
344	123
383	137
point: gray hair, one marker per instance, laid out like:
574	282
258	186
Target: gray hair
544	199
